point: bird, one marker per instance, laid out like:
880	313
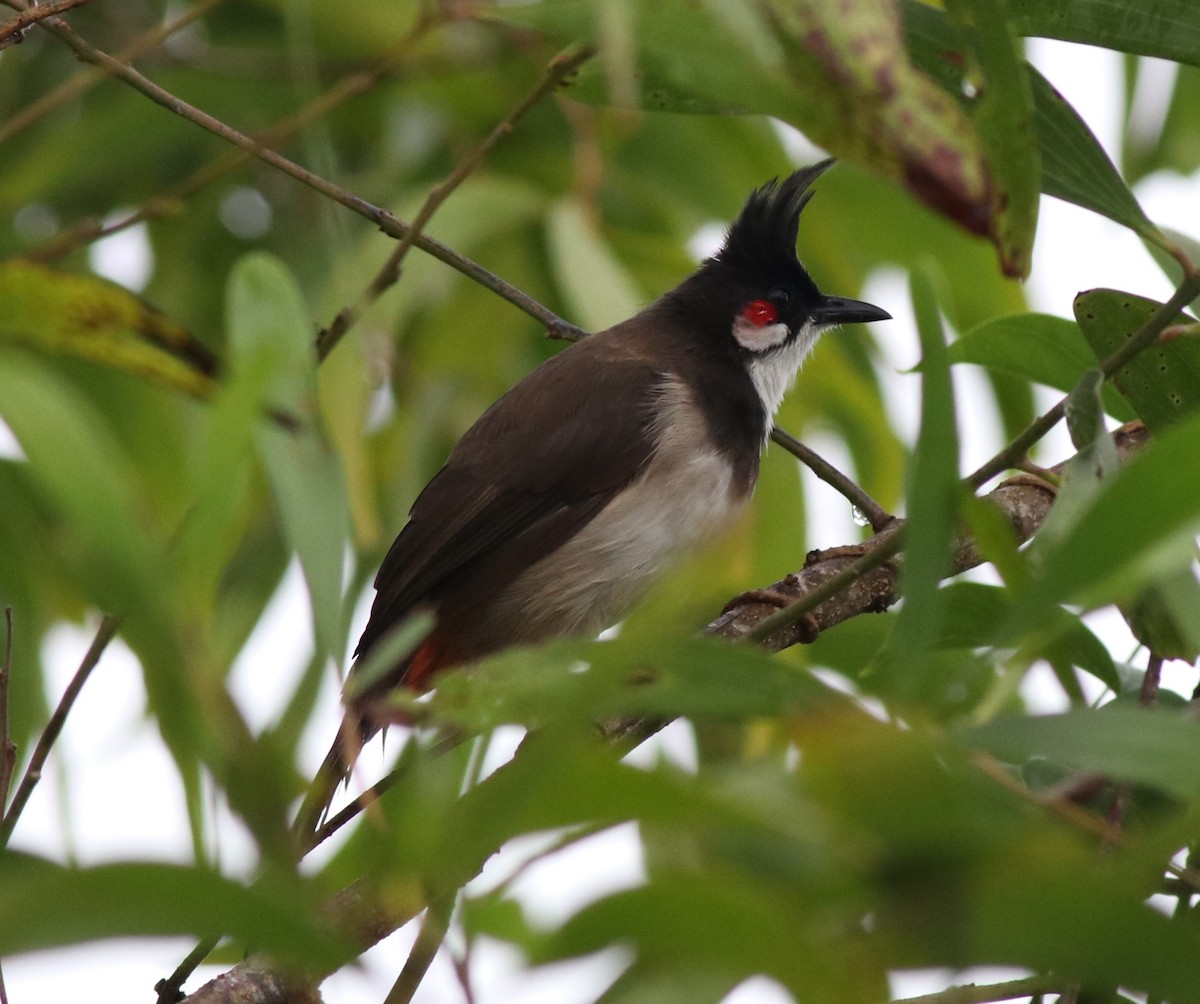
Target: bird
564	502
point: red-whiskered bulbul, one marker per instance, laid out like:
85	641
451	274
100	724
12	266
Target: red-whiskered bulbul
563	502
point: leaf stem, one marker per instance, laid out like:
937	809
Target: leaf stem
429	939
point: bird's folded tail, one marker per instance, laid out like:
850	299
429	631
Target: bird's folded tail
334	770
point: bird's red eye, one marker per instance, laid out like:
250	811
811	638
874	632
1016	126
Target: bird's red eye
760	313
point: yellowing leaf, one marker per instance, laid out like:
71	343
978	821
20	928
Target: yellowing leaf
60	313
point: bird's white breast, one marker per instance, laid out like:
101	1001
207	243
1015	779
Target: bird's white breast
683	499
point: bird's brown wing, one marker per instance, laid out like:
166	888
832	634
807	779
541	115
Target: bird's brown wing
540	463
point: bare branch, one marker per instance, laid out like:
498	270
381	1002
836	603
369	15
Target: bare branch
1022	500
33	773
875	514
12	31
389	224
90	76
350	86
558	70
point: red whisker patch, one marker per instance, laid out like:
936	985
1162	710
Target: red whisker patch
760	312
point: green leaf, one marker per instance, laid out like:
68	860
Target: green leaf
1163	616
1004	119
1169	29
973	610
596	285
1162	382
270	332
1156	748
268	326
1139	525
1085	424
630	675
1050	907
77	463
1074	166
58	313
1049	350
933	493
687	921
841	75
45	905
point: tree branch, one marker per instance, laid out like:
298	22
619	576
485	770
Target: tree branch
971	993
89	76
558	70
350	86
12	31
556	327
1023	502
33	773
874	513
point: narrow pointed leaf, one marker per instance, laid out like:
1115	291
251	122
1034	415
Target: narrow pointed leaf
1169	29
1003	112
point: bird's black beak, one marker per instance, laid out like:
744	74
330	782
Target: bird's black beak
840	310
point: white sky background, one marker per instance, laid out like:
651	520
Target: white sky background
97	815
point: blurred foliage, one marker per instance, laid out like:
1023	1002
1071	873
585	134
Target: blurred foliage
880	800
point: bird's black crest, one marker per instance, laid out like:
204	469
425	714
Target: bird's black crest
764	234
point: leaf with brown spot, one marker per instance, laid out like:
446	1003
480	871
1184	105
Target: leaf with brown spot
1163	382
841	74
64	314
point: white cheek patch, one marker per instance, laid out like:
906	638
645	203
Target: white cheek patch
759	338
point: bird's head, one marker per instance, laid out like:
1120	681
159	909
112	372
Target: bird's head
755	286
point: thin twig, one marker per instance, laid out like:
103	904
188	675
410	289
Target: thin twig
8	749
875	514
1076	815
352	85
556	71
1146	335
88	77
33	773
348	812
425	948
16	26
389	224
971	993
170	990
